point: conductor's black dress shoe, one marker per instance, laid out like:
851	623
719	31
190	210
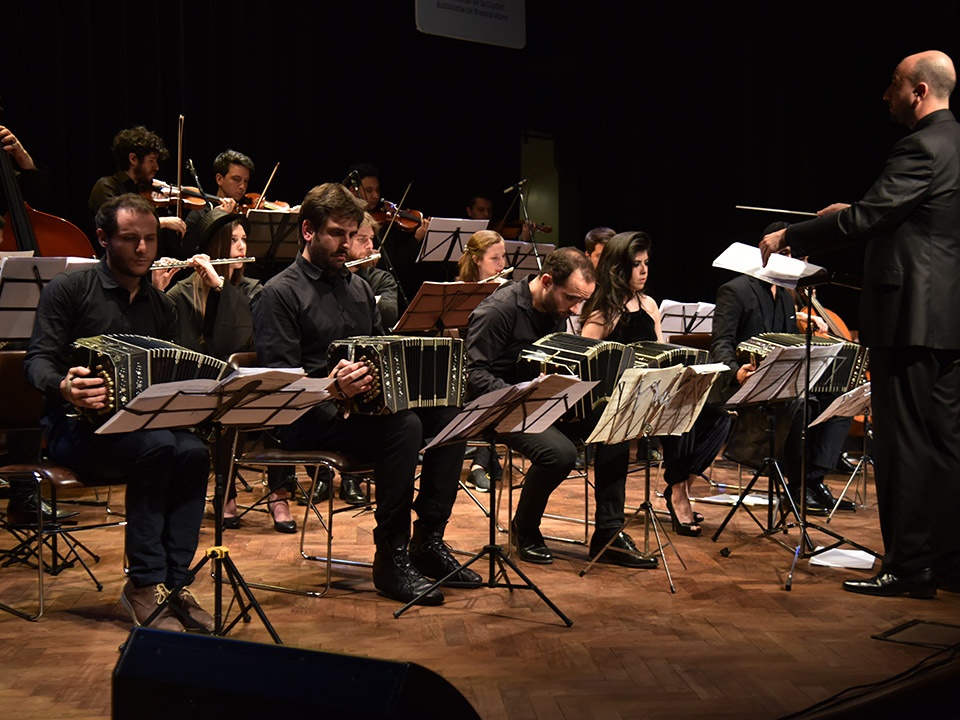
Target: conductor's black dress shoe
530	546
917	585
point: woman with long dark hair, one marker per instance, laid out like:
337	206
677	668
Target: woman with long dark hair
620	310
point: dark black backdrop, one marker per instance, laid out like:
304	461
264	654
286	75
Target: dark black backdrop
664	116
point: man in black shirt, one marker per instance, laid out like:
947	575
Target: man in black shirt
137	153
512	318
301	311
165	471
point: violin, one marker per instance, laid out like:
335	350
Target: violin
253	201
388	212
511	230
835	325
164	195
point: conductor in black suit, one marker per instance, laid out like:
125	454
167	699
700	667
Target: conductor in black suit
909	225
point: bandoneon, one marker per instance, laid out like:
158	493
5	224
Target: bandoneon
653	354
585	358
129	364
847	371
409	372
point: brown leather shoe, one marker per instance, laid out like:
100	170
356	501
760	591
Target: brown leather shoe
191	614
141	602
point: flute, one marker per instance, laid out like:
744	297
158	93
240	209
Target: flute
505	271
171	264
360	261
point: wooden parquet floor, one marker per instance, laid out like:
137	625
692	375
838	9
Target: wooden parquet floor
731	642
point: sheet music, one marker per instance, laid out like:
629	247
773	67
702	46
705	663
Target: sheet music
655	401
781	374
780	270
852	402
534	407
22	278
677	318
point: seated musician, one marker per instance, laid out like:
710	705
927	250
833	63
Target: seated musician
745	308
137	153
165	471
214	308
621	311
512	318
301	311
232	171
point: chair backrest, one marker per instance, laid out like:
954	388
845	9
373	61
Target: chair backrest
243	359
23	404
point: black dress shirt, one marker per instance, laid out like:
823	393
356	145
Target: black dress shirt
83	304
303	309
502	325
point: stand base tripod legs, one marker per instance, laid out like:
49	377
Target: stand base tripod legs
223	562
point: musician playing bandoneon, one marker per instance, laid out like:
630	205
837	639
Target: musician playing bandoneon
165	471
505	323
301	311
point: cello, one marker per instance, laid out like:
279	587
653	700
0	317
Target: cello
31	230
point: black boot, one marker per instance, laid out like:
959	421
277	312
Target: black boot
396	577
430	555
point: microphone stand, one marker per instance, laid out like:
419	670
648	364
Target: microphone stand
526	218
196	180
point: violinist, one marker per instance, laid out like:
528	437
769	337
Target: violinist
137	153
404	237
745	308
232	172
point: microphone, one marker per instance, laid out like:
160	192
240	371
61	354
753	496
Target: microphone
352	179
519	184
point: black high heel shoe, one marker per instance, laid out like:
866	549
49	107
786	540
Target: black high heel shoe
680	528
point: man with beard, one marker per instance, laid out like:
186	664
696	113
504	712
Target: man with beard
301	311
137	153
512	318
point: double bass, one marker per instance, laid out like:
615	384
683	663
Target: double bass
31	230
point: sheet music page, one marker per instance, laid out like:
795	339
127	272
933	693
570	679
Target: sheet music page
681	318
543	401
636	397
687	397
270	378
780	270
781	375
853	402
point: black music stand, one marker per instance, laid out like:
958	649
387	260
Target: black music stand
528	407
526	257
684	318
249	397
274	235
444	239
649	402
22	279
854	402
439	306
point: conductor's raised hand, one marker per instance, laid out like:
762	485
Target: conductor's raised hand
83	391
772	244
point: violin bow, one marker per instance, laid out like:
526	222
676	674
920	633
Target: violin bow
263	195
180	167
393	218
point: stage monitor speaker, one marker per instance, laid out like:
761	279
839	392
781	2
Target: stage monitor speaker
163	674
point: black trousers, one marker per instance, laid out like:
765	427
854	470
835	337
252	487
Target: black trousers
165	472
394	442
916	423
